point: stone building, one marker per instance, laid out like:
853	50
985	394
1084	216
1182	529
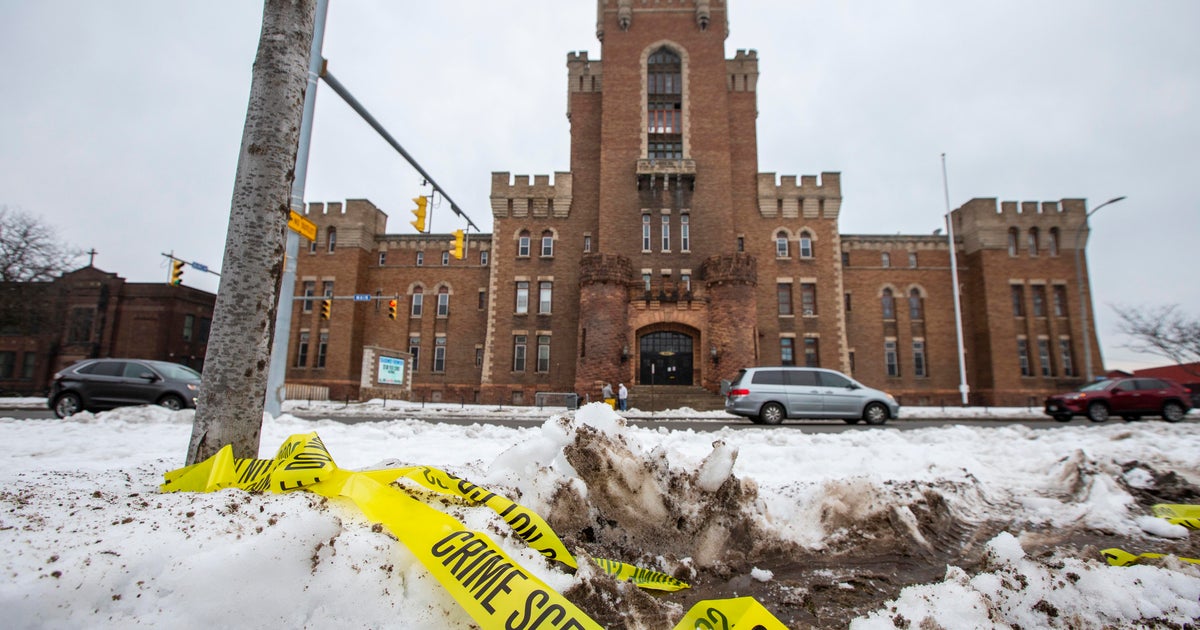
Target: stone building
87	313
665	257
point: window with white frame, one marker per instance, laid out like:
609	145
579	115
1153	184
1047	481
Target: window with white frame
1013	235
1033	241
919	364
420	258
885	260
1039	300
439	354
519	349
912	260
666	232
310	289
418	301
645	232
543	353
781	244
783	291
545	295
1060	300
443	304
685	233
891	358
806	250
1043	346
414	348
332	239
808	299
787	351
1023	356
302	350
1064	356
1052	242
322	349
522	305
646	281
547	244
483	258
382	258
916	309
445	258
587	244
523	244
888	303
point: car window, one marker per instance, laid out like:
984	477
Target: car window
807	378
1150	383
136	370
829	379
768	377
177	372
738	379
1097	386
104	368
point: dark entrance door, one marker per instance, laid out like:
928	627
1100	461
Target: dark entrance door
666	359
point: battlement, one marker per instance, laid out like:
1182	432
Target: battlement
741	72
583	75
982	223
624	10
517	197
605	268
810	198
357	221
730	269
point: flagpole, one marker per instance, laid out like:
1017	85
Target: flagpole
963	388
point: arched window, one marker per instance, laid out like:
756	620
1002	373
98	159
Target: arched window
418	301
547	244
664	105
781	244
1033	241
443	302
332	239
886	260
1052	245
888	302
806	250
915	311
523	243
1012	241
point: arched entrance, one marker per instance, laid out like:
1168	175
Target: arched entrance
666	358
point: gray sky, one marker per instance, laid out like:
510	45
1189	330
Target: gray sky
121	120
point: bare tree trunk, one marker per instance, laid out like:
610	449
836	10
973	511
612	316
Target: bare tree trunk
235	370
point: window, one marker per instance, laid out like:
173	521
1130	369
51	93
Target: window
885	260
1023	357
523	244
418	301
1064	356
420	258
666	233
1012	241
445	258
189	322
919	358
685	233
29	363
439	354
781	245
846	302
545	291
664	105
310	287
645	232
522	298
382	258
888	303
1018	300
322	347
784	293
332	239
741	243
543	353
808	299
915	310
327	288
891	360
1043	346
312	246
812	353
646	281
478	356
806	250
518	353
912	260
547	244
205	328
587	244
787	351
8	360
443	302
1052	242
845	259
1060	300
686	280
482	300
483	259
1039	300
1033	242
414	348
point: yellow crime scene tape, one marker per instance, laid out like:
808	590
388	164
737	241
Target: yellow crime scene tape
1120	557
488	584
1174	513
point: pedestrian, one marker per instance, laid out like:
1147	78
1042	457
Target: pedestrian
606	393
623	396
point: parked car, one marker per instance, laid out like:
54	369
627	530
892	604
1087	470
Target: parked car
1131	398
96	384
769	395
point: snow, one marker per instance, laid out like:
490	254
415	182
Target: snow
89	540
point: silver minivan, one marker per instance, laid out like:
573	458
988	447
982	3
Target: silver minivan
768	395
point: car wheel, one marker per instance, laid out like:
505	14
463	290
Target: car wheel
875	413
172	402
771	413
1097	412
1172	412
1063	417
67	404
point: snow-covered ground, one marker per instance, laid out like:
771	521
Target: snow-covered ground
89	540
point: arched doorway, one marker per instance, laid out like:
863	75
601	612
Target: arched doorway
666	358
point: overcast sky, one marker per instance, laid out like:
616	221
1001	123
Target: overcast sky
121	121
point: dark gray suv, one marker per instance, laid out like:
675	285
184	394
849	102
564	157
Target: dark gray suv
768	395
96	384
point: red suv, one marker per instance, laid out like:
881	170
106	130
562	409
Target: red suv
1131	398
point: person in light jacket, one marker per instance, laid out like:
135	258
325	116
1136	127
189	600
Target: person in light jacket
622	397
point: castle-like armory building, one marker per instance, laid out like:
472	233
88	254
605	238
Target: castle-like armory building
665	256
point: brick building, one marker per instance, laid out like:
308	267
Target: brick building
664	256
86	313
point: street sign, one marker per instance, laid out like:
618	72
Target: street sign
199	266
302	226
362	297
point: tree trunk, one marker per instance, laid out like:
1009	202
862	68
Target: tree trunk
233	389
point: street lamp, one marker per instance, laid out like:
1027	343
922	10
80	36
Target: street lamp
1087	343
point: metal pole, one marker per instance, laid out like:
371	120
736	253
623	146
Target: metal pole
1083	302
276	371
963	387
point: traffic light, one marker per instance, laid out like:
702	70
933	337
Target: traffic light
326	305
420	212
392	309
459	244
177	272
